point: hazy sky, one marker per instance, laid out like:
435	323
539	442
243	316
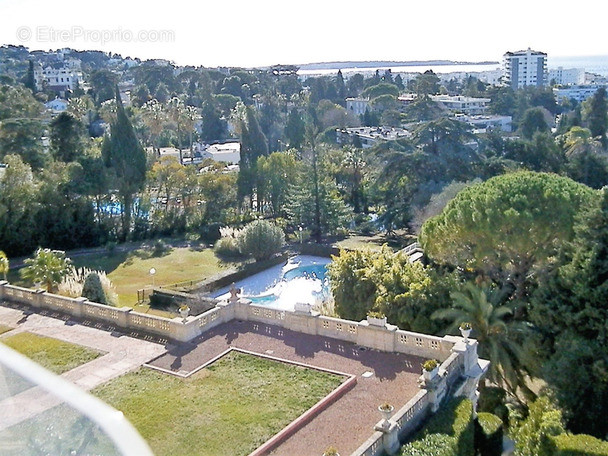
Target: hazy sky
265	32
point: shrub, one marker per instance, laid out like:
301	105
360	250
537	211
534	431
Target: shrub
488	434
73	285
227	247
455	419
261	239
93	290
492	400
579	445
431	445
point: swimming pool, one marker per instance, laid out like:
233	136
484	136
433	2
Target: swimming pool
302	279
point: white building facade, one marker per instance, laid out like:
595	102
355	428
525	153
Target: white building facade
357	106
577	92
57	79
525	68
464	105
567	76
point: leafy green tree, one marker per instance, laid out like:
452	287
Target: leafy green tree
569	310
48	267
586	161
261	239
353	288
23	137
213	127
103	83
218	191
532	435
508	228
383	88
595	114
426	83
128	160
67	138
275	173
4	264
19	197
533	121
17	102
295	129
314	199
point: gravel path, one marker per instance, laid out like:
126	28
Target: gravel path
345	424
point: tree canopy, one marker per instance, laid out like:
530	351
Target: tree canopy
507	227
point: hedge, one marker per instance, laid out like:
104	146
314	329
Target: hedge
579	445
488	434
431	445
452	425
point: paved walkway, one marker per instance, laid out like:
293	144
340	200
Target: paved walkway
345	424
122	354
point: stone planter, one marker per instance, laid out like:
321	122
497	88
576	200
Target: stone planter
375	321
430	375
386	412
184	312
465	334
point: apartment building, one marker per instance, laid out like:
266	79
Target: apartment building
525	68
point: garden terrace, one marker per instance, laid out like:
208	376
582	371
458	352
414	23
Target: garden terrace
384	360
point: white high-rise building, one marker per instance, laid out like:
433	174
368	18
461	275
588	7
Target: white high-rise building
525	68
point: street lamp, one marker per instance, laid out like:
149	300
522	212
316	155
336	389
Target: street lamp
152	272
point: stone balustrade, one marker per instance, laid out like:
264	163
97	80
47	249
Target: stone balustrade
458	358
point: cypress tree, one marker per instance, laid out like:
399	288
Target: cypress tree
30	81
128	159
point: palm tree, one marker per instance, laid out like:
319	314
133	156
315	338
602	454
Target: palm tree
493	330
4	265
176	112
48	267
154	117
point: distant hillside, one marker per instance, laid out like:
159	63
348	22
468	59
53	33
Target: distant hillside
385	63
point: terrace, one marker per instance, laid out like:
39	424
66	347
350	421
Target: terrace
383	361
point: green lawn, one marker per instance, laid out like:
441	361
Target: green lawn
4	328
55	355
229	408
130	271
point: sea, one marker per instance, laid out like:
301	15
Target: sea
597	64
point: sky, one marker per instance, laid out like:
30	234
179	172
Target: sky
266	32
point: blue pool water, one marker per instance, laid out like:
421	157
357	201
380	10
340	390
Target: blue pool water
302	279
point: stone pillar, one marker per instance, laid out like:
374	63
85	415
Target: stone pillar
390	437
474	368
436	387
79	307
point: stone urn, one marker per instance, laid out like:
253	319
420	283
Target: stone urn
465	331
376	319
386	411
430	369
184	311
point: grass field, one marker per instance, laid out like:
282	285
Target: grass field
55	355
4	328
130	271
229	408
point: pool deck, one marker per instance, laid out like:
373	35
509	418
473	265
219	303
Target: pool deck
346	423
